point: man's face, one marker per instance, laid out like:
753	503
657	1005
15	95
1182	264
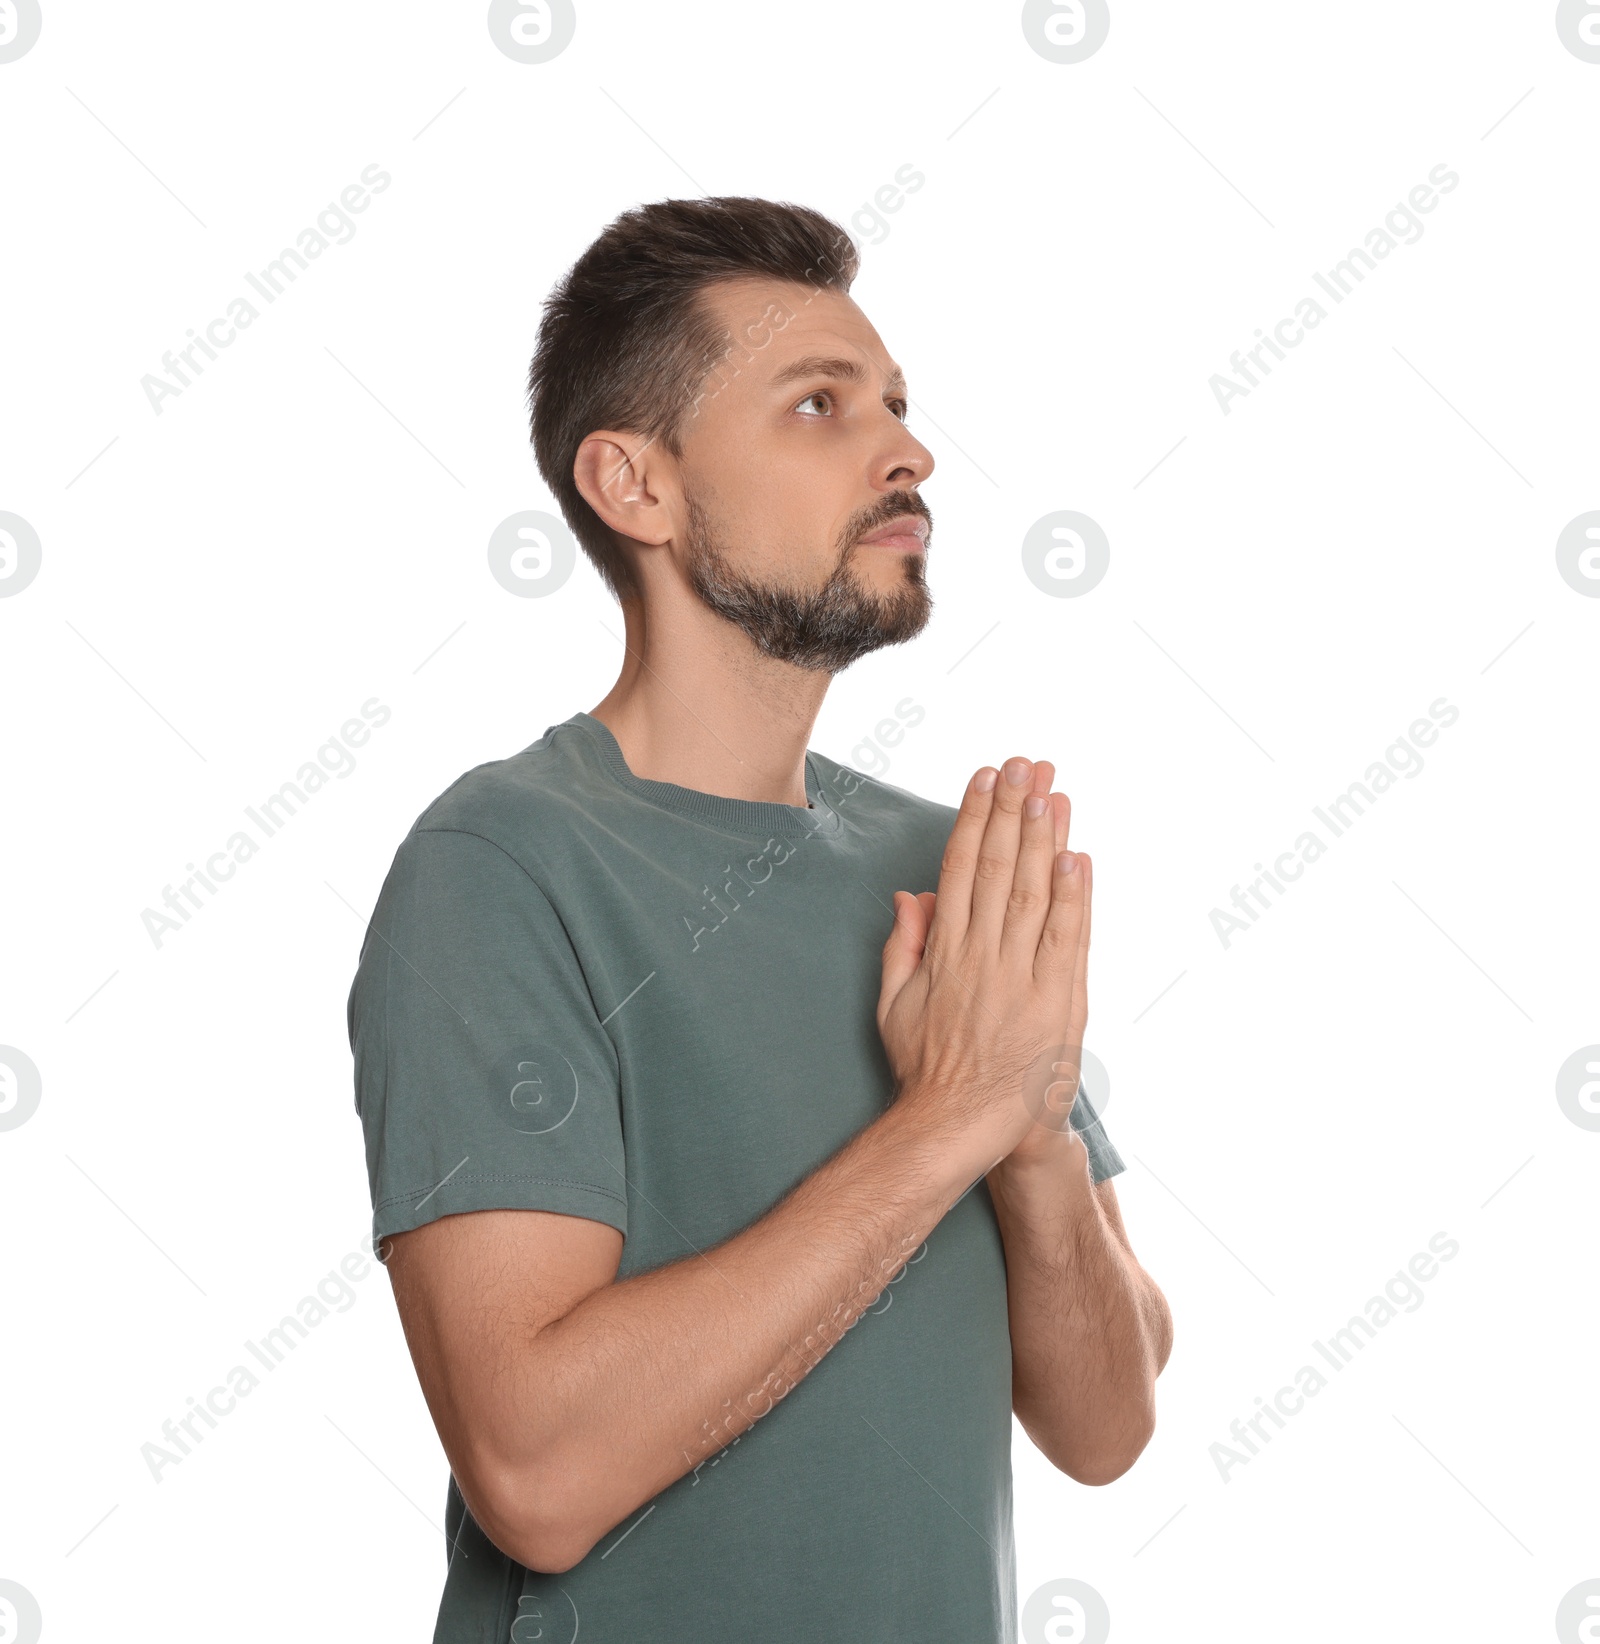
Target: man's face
795	459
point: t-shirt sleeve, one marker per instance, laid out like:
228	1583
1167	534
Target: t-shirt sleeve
484	1078
1104	1160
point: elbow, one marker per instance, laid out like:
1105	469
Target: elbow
530	1519
1104	1462
551	1552
1106	1469
551	1544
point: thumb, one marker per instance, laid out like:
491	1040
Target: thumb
903	950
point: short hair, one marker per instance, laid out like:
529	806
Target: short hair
626	340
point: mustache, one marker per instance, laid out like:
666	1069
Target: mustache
895	506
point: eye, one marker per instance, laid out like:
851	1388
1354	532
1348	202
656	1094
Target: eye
812	398
899	407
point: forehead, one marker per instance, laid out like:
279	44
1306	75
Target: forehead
770	324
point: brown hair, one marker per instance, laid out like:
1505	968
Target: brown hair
625	340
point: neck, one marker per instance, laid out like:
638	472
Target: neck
698	705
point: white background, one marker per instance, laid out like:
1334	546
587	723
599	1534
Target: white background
1373	528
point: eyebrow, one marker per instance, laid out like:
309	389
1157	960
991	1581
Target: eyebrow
822	365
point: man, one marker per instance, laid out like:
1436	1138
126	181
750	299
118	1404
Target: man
729	1175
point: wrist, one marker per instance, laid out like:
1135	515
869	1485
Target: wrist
951	1155
1045	1162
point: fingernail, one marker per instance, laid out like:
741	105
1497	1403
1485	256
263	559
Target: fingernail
1034	804
1018	771
985	779
1066	861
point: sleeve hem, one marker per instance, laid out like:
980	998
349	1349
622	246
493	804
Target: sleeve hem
400	1213
1104	1160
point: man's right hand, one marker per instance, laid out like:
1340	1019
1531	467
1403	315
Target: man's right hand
980	983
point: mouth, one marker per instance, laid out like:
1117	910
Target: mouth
905	534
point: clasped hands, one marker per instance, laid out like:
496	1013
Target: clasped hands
985	982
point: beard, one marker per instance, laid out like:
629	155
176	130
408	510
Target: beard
826	629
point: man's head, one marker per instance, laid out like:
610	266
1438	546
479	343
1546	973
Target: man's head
713	412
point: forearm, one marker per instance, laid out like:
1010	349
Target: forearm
653	1375
1089	1330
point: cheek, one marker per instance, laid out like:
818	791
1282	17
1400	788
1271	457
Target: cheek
777	505
789	521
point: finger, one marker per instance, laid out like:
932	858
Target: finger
1044	773
909	929
1056	957
928	901
1080	973
1030	886
997	854
959	865
1063	819
903	950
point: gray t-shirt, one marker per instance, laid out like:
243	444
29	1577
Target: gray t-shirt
588	992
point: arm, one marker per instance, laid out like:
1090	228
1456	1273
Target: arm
565	1400
1090	1332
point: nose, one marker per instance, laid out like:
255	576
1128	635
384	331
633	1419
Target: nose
906	463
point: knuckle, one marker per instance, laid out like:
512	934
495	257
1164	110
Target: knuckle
956	860
1023	900
991	866
1055	941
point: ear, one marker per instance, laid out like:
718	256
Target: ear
620	475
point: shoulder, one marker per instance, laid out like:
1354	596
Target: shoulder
520	805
